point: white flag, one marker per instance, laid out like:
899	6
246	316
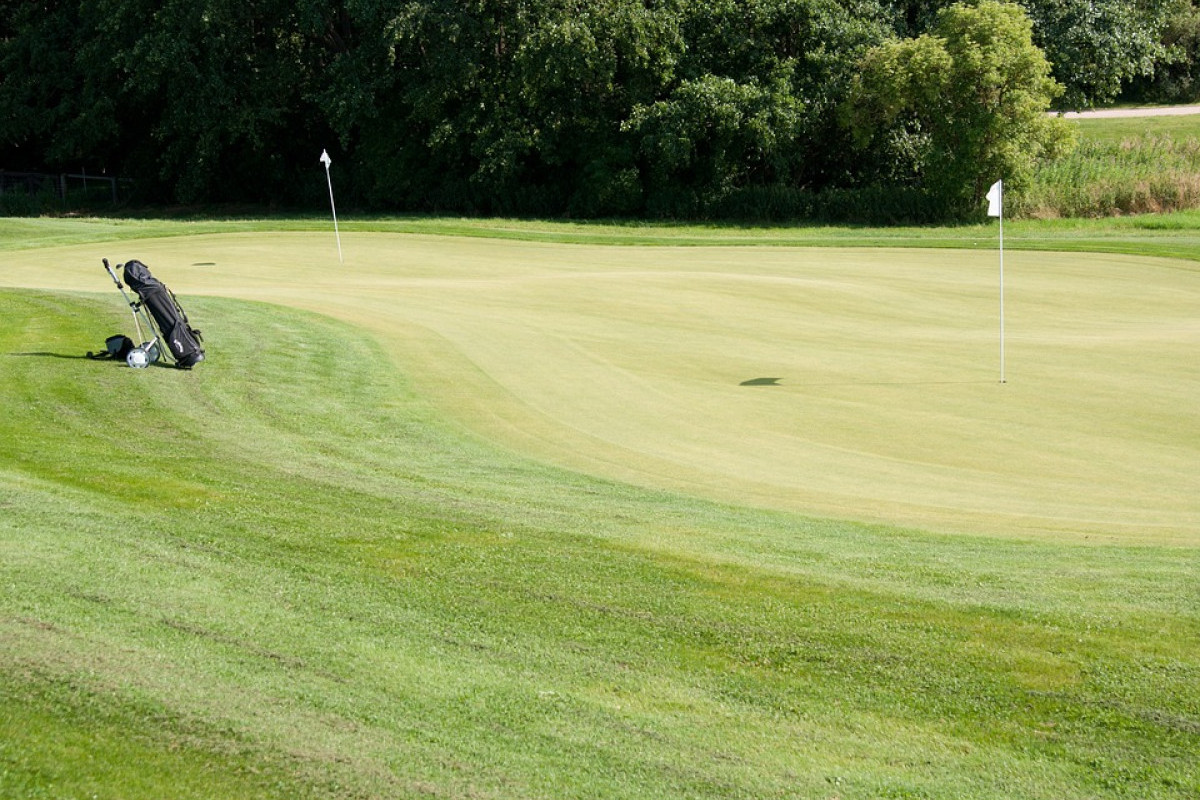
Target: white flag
326	160
994	198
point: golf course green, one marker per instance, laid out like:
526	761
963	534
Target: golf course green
850	383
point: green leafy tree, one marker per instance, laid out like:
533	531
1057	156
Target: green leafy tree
585	107
212	94
611	106
1176	77
1097	47
56	96
962	105
712	135
758	84
500	106
198	101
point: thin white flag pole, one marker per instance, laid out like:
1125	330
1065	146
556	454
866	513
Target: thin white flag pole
326	160
995	197
1002	380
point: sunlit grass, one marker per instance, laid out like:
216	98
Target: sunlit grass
287	574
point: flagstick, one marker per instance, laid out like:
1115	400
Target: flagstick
995	198
326	160
1002	380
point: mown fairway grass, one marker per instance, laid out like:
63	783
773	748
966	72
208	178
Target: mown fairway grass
348	558
856	383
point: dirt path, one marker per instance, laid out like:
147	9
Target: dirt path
1158	111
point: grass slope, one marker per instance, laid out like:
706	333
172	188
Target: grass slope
288	574
294	580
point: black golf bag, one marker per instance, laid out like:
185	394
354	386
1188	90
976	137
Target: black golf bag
182	340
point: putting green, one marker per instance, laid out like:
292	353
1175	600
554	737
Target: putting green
854	383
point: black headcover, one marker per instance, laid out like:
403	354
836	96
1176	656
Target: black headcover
181	338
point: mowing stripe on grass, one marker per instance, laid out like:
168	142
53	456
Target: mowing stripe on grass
300	580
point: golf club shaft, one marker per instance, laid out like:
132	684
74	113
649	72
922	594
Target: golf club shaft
134	305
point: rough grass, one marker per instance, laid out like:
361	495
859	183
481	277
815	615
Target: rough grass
1120	167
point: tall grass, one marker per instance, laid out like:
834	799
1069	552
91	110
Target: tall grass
1120	167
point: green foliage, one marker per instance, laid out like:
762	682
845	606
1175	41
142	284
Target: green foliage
780	65
962	106
544	107
1098	46
214	92
517	108
712	135
1176	77
608	108
47	111
1095	47
548	107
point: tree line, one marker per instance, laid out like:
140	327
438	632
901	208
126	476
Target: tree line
662	108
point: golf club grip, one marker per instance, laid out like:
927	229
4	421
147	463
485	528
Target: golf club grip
112	274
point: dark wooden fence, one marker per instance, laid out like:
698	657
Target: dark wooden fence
68	187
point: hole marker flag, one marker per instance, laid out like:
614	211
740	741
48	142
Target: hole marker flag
326	160
995	198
